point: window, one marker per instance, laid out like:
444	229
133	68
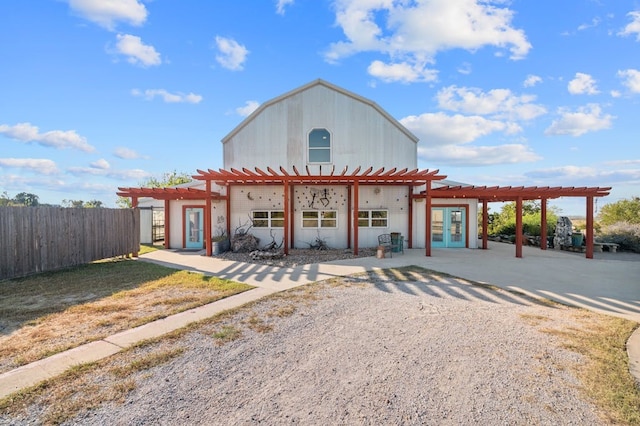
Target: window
319	146
320	219
268	219
373	218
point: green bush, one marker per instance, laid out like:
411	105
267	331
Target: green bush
626	235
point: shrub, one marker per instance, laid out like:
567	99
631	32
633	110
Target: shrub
625	234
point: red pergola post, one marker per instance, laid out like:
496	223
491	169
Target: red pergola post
410	213
519	227
589	235
543	224
287	209
356	191
427	225
485	225
167	223
228	212
207	218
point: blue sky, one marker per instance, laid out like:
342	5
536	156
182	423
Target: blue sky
97	94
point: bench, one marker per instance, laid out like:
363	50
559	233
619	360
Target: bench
610	247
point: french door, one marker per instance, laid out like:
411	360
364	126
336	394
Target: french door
194	227
448	226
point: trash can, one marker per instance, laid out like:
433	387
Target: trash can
576	239
395	242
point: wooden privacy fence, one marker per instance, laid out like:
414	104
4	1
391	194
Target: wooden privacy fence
39	239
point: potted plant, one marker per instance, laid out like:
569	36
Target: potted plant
220	243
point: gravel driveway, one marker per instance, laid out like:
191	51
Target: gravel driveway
418	348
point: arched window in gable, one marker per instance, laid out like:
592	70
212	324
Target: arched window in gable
319	146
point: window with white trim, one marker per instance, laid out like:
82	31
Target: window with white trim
319	219
319	146
268	219
373	218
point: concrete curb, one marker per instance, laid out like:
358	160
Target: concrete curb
47	368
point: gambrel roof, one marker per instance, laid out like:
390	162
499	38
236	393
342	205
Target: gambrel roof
320	82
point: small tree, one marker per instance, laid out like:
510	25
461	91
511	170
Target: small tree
627	210
26	199
505	222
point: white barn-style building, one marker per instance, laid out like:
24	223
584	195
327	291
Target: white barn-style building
323	162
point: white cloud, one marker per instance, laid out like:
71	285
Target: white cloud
107	13
498	103
465	68
149	94
532	80
126	153
136	51
634	26
563	172
403	72
414	32
582	84
588	118
631	79
39	165
248	108
101	164
478	155
437	129
594	23
281	4
232	55
132	174
26	132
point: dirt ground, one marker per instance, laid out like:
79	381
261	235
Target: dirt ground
412	349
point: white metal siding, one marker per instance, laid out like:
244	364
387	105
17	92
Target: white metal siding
361	135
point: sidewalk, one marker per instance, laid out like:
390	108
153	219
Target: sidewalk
607	284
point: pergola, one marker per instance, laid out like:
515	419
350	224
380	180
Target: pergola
289	180
411	178
168	194
518	194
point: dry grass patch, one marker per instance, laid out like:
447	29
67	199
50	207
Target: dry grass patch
87	386
49	313
604	374
227	333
